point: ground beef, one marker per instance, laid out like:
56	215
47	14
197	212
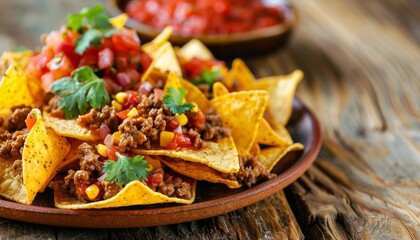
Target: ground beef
16	120
214	129
94	119
53	109
174	187
11	144
251	171
111	189
17	167
139	132
90	159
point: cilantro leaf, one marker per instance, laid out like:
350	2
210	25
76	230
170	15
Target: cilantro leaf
91	36
174	100
78	92
126	169
207	77
95	16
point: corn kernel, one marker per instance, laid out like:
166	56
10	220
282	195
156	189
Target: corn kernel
181	119
92	191
165	138
117	106
102	150
121	96
133	113
117	136
195	108
119	21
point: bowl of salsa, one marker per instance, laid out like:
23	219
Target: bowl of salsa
230	28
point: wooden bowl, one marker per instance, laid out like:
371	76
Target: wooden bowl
247	44
211	200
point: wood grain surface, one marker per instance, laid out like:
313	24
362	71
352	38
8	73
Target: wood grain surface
362	78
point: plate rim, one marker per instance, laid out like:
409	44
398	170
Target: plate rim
179	213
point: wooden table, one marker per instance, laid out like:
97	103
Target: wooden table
362	65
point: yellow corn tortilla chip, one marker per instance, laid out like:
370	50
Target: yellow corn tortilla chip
241	112
199	171
194	94
221	155
255	150
164	58
14	89
19	59
42	153
195	48
267	136
118	22
135	193
269	157
241	76
281	90
172	81
69	128
219	89
158	41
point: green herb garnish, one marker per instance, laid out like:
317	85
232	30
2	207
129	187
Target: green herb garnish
126	169
174	100
80	91
93	23
207	77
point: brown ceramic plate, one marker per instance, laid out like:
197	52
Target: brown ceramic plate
255	42
211	200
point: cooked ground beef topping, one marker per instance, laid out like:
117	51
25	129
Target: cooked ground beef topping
53	109
90	159
94	119
13	132
251	172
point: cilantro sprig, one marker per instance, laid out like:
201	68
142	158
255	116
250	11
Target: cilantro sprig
126	169
80	91
174	100
207	77
93	23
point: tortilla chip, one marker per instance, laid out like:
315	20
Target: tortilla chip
19	59
219	89
241	76
118	22
194	94
195	48
164	58
269	157
14	89
241	112
42	154
135	193
255	150
172	81
199	171
281	90
221	155
158	41
69	128
267	136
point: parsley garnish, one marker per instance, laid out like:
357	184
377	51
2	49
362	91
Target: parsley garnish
174	100
207	77
78	92
126	169
96	21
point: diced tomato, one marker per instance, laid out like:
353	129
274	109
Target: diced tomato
105	58
60	66
124	43
47	79
30	121
180	141
154	179
145	60
38	63
81	189
122	114
198	120
112	152
132	100
123	79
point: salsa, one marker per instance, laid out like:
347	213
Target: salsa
207	17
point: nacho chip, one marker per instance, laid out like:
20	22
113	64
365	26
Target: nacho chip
242	112
194	94
14	89
164	58
69	128
221	155
19	59
281	90
42	154
195	48
219	89
158	41
267	136
135	193
269	157
199	171
241	76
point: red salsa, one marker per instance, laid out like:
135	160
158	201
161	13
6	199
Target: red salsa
207	17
